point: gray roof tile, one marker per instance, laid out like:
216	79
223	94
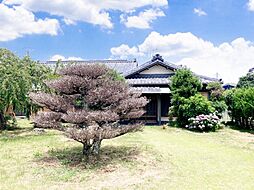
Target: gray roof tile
130	68
151	90
122	66
150	64
147	81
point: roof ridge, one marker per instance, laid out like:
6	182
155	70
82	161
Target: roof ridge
95	60
151	63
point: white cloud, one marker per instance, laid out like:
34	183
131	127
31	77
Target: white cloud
128	5
124	51
16	22
62	58
17	17
90	11
230	59
251	5
143	19
199	12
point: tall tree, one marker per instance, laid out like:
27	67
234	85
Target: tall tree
186	100
240	103
18	77
216	97
246	81
216	91
185	84
89	104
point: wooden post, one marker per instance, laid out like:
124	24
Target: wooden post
159	109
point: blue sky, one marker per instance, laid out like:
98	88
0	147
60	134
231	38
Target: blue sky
209	36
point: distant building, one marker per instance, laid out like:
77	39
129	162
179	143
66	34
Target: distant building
151	79
228	86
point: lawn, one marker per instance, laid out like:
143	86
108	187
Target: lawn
151	159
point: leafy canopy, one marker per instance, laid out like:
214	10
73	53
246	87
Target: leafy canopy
216	91
18	77
246	81
240	103
216	97
185	84
186	102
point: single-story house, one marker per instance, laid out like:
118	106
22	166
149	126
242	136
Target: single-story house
151	79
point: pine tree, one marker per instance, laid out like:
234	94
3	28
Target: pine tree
89	104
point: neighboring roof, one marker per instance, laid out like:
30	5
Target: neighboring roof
148	81
156	60
206	79
251	70
229	85
122	66
151	90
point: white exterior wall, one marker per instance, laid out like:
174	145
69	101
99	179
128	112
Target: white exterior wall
157	69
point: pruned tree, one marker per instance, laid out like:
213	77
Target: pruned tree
89	104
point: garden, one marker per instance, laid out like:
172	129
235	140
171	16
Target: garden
173	158
80	129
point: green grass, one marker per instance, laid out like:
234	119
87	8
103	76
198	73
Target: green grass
152	159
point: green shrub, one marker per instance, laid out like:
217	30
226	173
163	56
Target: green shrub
219	106
216	91
216	97
185	84
246	81
192	107
241	106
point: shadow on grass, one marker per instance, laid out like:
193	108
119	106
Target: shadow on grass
16	130
234	127
22	134
72	157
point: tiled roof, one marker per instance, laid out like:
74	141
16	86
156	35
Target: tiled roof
150	64
130	69
151	90
230	84
206	79
161	81
122	66
147	81
152	75
157	59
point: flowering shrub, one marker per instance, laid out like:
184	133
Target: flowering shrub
203	122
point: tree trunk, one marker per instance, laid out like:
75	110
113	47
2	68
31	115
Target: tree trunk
251	122
93	148
247	123
238	121
86	150
96	147
241	122
3	124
